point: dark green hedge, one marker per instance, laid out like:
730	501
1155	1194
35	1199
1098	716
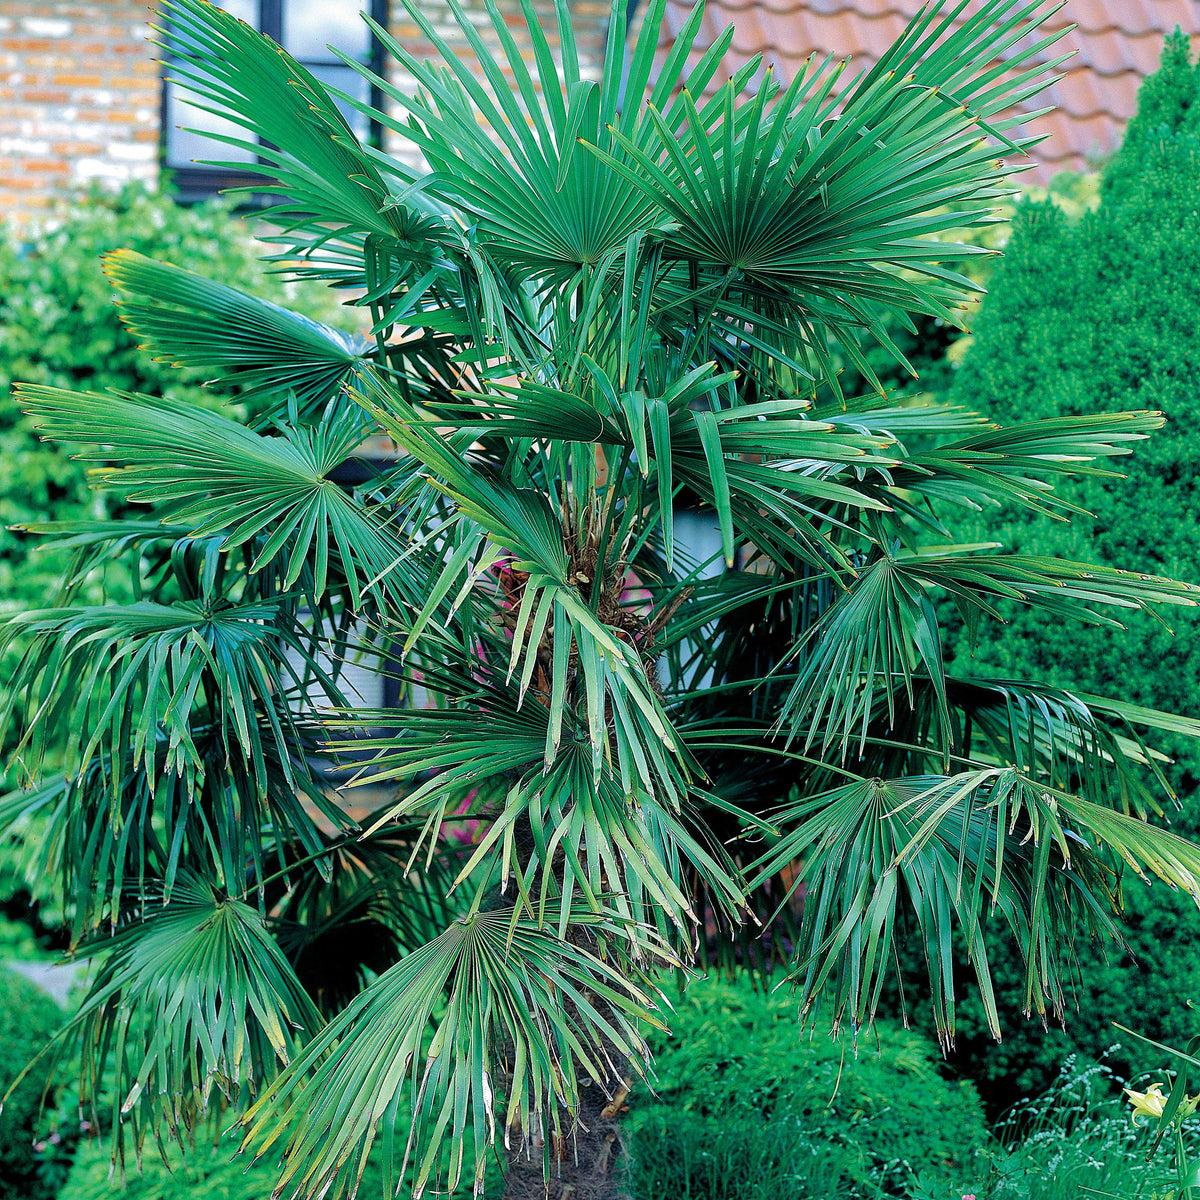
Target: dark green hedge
1097	314
28	1018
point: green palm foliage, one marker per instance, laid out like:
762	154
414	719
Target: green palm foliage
613	751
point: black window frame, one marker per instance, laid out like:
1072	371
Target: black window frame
193	183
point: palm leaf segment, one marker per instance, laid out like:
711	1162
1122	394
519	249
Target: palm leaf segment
884	629
266	349
194	999
492	977
403	253
589	306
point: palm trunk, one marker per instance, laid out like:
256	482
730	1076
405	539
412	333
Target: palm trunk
586	1165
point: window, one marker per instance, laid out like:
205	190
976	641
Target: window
304	28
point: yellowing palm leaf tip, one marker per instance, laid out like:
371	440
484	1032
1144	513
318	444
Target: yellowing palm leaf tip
658	610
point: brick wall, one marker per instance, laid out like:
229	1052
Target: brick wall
79	98
80	91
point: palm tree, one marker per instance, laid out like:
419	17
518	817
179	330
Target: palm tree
610	311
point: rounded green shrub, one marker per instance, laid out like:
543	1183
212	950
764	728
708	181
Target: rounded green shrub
749	1106
206	1172
28	1019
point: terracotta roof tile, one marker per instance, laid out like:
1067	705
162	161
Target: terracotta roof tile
1116	43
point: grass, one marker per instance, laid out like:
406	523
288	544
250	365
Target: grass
747	1158
1077	1142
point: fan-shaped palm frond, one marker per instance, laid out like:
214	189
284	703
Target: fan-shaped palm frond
884	629
823	202
951	850
619	838
1075	741
292	122
220	477
266	350
193	1001
1020	463
141	667
513	1009
544	206
120	832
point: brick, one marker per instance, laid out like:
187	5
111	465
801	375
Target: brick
26	45
70	150
132	82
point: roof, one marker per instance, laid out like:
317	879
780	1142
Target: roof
1116	44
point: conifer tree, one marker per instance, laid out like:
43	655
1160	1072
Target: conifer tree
1083	316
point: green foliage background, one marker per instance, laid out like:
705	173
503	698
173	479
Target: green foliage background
58	326
748	1106
28	1017
1089	313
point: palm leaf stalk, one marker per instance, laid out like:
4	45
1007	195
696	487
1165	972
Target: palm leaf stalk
611	308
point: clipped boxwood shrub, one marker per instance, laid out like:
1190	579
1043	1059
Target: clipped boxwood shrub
749	1107
28	1018
205	1172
